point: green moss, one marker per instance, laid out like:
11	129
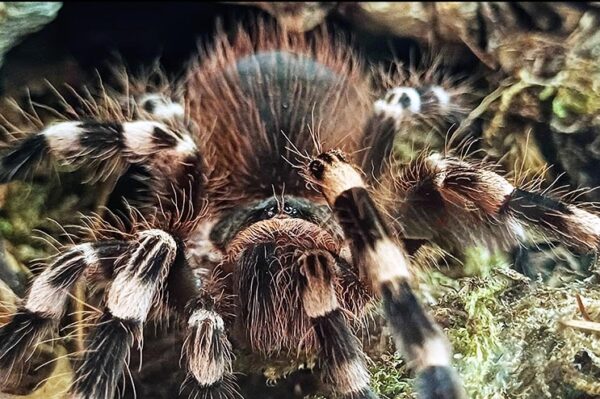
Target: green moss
506	334
6	228
569	101
32	208
390	377
509	342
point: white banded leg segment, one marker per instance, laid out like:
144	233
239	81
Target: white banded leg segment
345	191
208	355
425	347
399	102
106	146
390	114
440	96
318	296
67	142
574	226
416	334
147	138
161	107
49	291
48	298
341	358
135	141
136	287
386	264
460	182
207	350
332	173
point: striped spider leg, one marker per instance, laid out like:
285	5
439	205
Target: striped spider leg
385	263
138	266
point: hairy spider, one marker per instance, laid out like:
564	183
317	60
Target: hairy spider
272	208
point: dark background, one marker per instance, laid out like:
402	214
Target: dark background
87	36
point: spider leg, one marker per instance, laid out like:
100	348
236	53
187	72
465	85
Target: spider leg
400	106
496	197
454	202
208	353
107	147
134	289
161	107
48	297
433	197
341	358
386	263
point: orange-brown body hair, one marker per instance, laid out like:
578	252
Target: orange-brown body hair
262	101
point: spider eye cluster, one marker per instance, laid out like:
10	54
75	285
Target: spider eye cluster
274	210
271	211
290	211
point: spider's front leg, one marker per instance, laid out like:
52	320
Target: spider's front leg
341	358
386	265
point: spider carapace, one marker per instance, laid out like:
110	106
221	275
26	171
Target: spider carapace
272	209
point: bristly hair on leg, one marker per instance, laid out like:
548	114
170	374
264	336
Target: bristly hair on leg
148	93
386	265
207	353
137	287
420	209
90	124
18	339
456	201
430	94
47	299
342	362
179	216
110	344
227	388
415	108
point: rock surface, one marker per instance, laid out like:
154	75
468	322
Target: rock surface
19	19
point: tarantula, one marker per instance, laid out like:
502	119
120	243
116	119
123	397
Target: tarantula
272	207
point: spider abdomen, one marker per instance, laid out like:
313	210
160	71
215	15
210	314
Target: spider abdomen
268	107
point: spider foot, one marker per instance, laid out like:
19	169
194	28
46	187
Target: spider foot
439	382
